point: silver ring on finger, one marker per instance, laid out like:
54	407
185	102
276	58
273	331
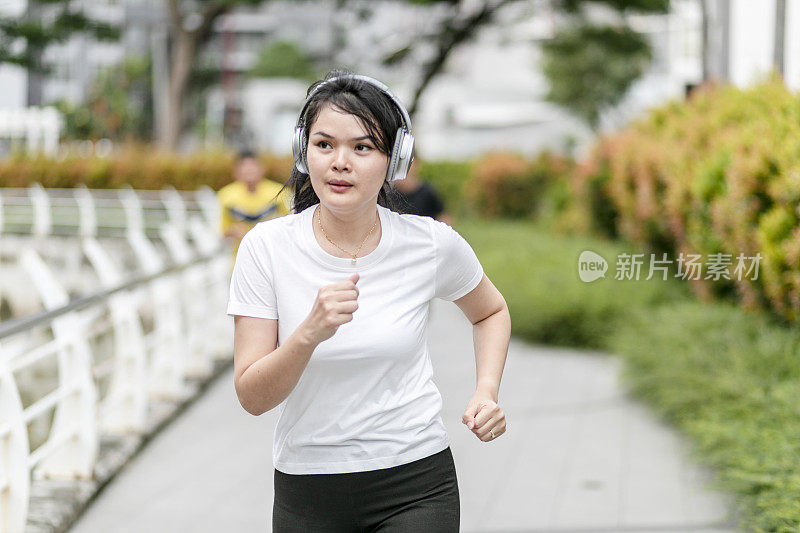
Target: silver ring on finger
492	434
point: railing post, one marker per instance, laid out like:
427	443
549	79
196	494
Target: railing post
76	458
42	217
218	273
14	450
193	301
88	217
209	204
133	209
175	206
169	359
125	405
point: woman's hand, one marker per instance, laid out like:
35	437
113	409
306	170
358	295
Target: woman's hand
334	306
484	417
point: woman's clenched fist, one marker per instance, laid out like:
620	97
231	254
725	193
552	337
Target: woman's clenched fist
334	306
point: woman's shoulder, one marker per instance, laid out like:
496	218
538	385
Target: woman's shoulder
419	225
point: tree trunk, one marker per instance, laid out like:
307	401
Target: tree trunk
780	36
160	52
184	47
725	51
185	43
33	96
704	42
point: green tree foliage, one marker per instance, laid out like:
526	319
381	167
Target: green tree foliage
22	41
590	68
119	106
284	59
462	21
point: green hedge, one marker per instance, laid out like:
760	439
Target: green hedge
726	377
140	167
506	185
716	174
482	187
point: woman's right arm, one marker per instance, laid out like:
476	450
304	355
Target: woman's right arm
265	373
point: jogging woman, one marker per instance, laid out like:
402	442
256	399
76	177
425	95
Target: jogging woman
331	306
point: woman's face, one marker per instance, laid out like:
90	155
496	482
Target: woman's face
346	169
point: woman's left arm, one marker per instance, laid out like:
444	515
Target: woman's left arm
486	309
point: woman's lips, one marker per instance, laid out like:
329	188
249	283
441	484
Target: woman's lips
339	186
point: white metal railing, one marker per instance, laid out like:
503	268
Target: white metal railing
100	212
52	215
155	322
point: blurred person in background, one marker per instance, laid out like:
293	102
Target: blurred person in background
250	199
420	198
330	307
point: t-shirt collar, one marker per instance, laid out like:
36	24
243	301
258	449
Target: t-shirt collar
344	263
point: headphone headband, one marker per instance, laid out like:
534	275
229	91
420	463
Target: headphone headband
402	152
367	79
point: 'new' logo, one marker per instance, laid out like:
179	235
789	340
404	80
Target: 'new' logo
591	266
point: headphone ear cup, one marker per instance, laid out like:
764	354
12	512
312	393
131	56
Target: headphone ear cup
394	160
402	155
299	150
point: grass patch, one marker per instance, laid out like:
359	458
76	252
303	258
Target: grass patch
727	378
537	272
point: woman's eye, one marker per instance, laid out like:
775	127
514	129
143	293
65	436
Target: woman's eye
363	147
323	144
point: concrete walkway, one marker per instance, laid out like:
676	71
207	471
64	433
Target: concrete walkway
579	456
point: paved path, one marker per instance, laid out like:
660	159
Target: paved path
579	456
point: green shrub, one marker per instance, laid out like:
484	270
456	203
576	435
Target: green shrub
506	185
730	379
716	174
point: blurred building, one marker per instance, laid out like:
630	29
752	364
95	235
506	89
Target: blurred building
75	63
490	96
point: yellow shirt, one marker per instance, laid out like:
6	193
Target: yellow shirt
238	205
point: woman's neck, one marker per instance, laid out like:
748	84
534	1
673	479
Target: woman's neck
348	230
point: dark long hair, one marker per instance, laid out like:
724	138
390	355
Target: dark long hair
376	112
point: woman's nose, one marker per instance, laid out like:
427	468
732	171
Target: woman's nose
341	161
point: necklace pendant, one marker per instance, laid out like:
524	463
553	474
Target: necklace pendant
353	261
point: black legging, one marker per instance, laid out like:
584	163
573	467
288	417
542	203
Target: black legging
421	496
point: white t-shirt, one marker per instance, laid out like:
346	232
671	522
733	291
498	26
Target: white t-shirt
366	399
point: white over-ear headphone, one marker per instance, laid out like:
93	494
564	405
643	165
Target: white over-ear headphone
402	153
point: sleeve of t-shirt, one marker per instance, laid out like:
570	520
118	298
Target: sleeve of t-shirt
458	270
252	293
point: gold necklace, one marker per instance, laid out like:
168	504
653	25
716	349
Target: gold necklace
353	255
